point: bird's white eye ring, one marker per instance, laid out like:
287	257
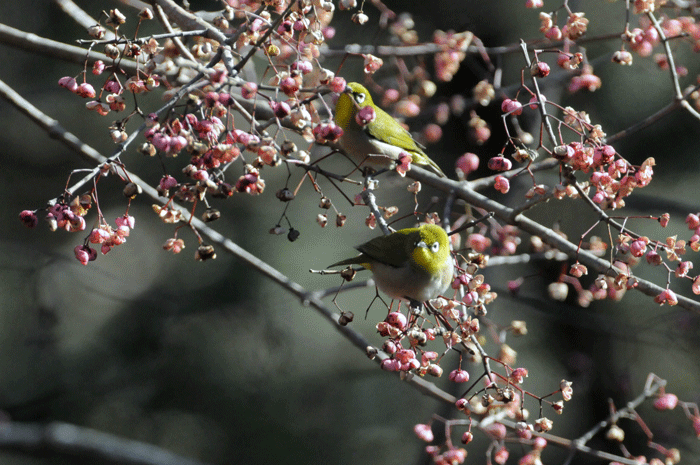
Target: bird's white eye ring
359	97
434	247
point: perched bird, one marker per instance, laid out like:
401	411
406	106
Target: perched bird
377	144
409	264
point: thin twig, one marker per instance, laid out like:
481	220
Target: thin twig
57	50
71	440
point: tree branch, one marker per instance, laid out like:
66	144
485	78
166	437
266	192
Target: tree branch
72	440
463	191
32	43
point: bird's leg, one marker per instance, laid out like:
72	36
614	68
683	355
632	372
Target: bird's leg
376	296
367	172
415	307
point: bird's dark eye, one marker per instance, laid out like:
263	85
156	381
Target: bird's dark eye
434	247
359	97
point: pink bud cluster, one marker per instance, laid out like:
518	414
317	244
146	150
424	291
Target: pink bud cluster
372	63
403	164
327	132
613	179
508	240
84	90
395	326
455	45
113	101
451	456
635	248
667	296
251	182
59	216
511	107
586	80
406	337
576	26
642	41
477	293
109	237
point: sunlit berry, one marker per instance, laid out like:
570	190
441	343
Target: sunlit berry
98	67
667	296
97	32
511	107
459	376
289	86
365	116
501	455
553	33
577	270
403	164
337	84
682	269
496	431
558	291
666	402
69	83
424	432
405	355
29	218
543	424
360	18
467	163
535	102
281	109
435	370
693	221
397	319
99	107
639	247
85	254
303	66
518	374
622	57
501	184
389	364
500	163
372	63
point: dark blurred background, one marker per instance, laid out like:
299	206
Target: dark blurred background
211	361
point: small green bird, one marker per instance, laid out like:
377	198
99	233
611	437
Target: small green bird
409	264
378	143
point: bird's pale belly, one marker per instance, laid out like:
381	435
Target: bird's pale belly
407	283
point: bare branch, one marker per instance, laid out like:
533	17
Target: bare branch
50	48
71	440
